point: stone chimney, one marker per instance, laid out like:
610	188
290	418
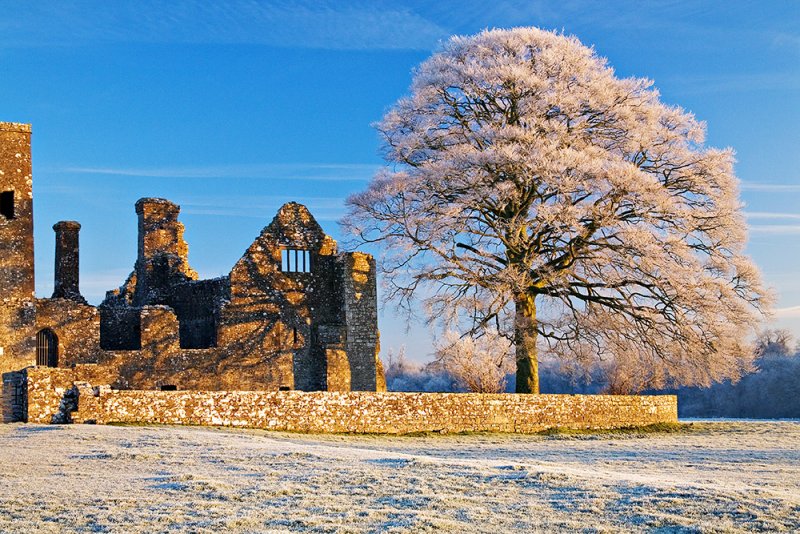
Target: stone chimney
67	271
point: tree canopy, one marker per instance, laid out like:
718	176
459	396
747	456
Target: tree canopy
531	191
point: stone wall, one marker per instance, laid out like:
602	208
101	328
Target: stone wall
77	327
46	389
361	318
50	391
12	397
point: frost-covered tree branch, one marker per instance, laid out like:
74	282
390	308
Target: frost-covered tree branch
479	365
528	186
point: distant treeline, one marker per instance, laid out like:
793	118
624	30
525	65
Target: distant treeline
771	391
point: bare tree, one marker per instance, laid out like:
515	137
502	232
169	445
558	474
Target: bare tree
478	365
405	375
527	182
774	341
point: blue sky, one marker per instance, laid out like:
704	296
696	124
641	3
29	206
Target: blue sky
233	108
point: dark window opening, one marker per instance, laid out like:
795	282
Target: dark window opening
284	388
120	328
295	260
7	204
294	336
169	387
47	348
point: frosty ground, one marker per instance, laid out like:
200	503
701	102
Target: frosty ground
721	476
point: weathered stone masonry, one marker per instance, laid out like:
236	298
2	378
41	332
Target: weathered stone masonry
57	395
293	313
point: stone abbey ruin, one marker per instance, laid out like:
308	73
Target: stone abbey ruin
293	314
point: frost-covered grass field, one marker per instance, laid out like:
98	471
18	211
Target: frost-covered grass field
715	476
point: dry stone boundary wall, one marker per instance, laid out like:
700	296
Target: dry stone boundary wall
50	394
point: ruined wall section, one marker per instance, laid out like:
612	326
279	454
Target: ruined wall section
162	260
159	356
360	308
159	276
162	362
198	305
119	325
272	312
77	327
17	306
163	327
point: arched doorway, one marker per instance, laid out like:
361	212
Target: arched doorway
47	348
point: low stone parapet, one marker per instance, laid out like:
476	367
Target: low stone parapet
349	412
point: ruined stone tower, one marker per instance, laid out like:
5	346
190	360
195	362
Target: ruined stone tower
161	259
18	311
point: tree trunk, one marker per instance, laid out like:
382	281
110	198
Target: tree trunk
525	344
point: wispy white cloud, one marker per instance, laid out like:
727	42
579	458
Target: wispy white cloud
770	188
289	171
772	215
775	229
261	207
294	23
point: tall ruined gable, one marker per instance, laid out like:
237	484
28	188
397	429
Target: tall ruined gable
259	271
278	293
